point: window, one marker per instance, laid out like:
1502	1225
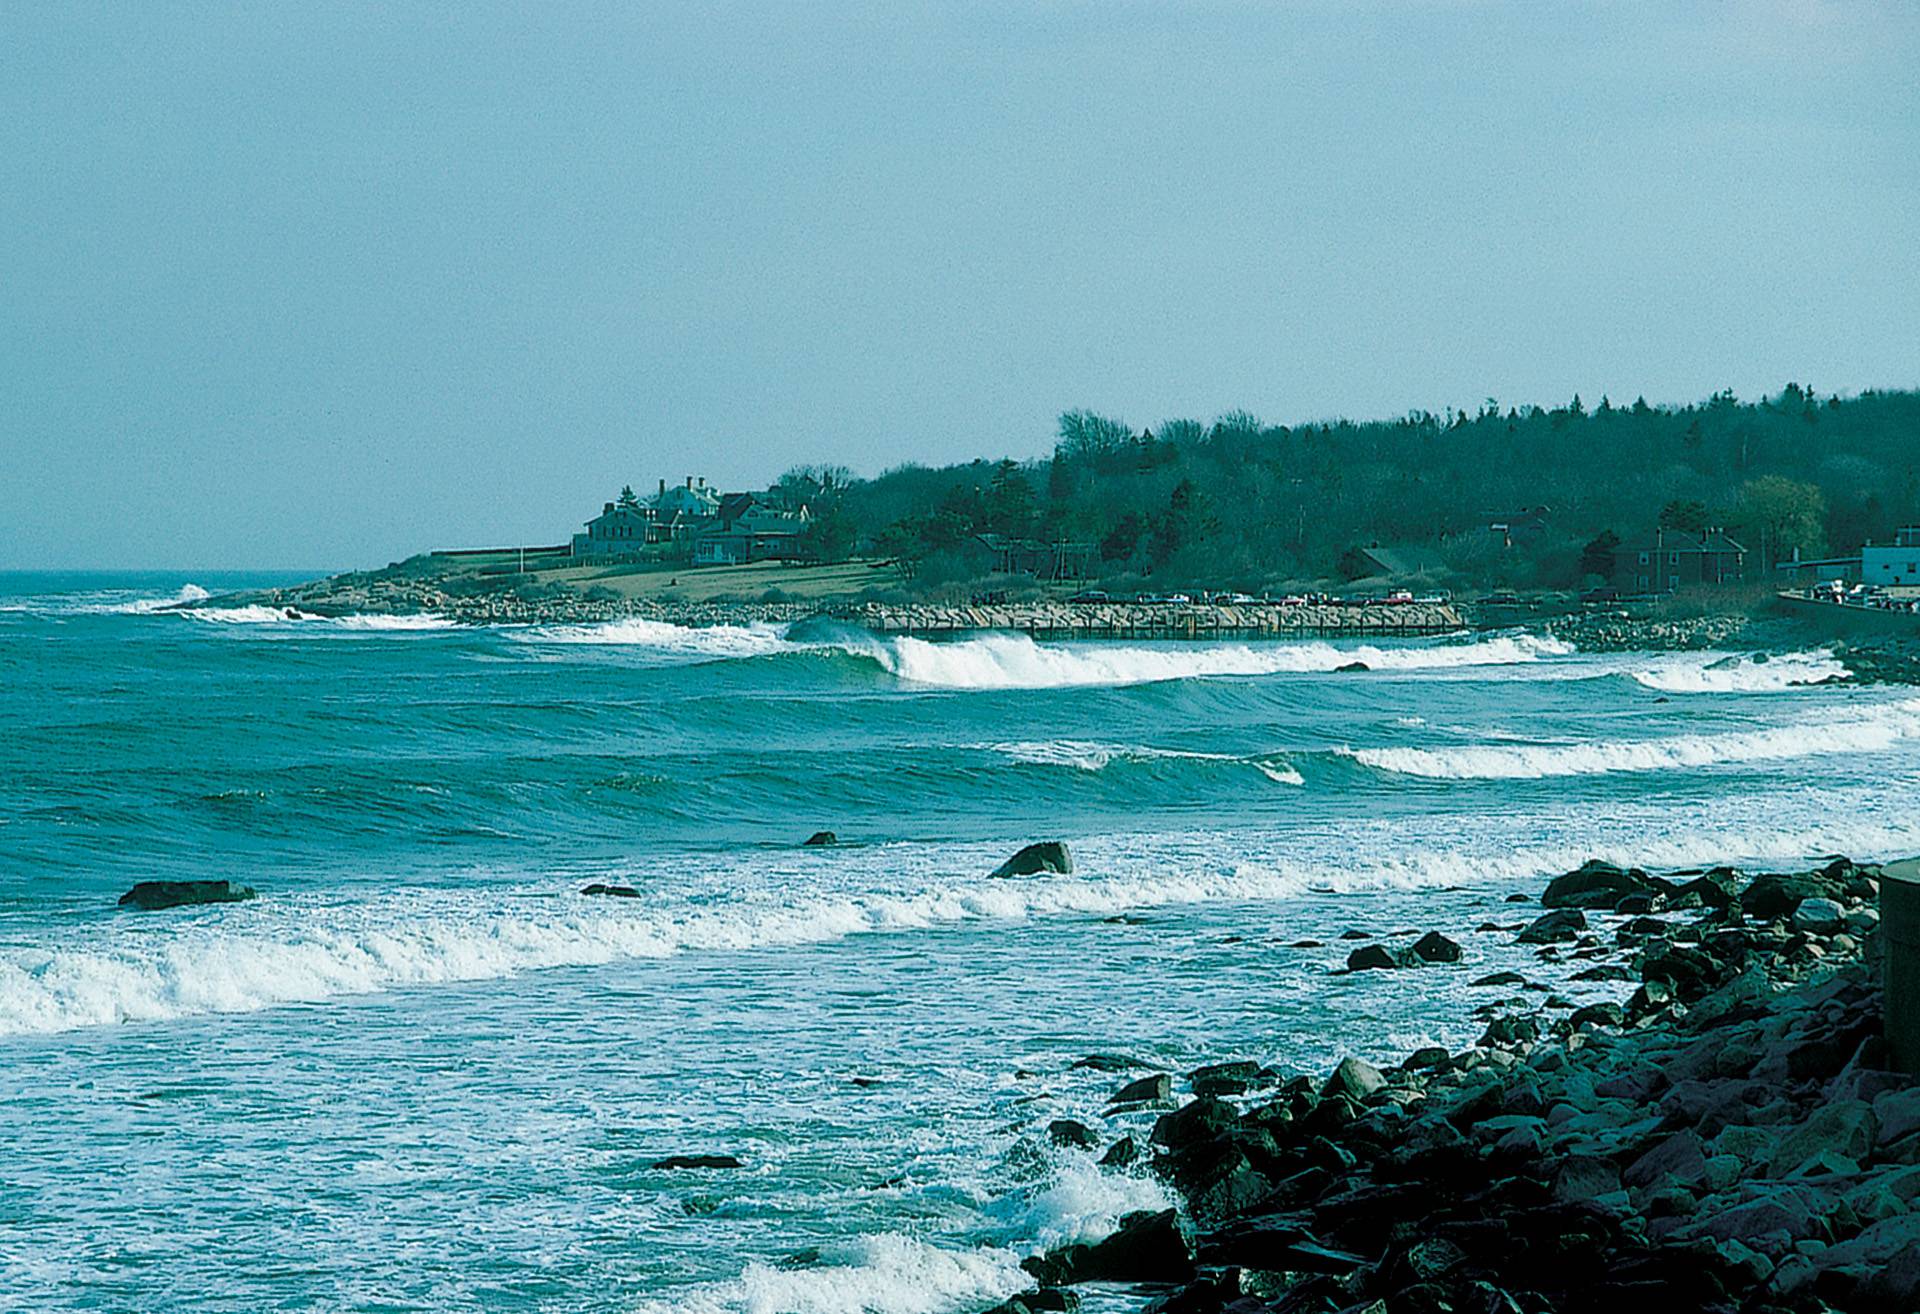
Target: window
1643	561
1673	581
1673	558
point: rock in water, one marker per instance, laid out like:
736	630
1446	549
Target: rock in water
1372	956
1596	885
1048	855
1436	948
151	896
820	839
1551	928
675	1162
612	891
1350	667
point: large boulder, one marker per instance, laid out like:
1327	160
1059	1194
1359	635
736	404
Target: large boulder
1145	1090
820	839
1046	856
1375	956
611	891
1844	1127
152	896
1146	1247
1560	925
1774	896
1596	885
1355	1079
1819	916
1437	948
1202	1120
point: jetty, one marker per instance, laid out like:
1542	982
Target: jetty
1148	620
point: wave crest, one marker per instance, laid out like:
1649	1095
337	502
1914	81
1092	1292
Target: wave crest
1868	732
1743	674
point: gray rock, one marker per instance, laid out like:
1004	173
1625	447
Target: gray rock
676	1162
152	896
1046	856
1819	916
1067	1132
611	891
1558	926
1156	1089
1679	1160
1436	948
1897	1112
821	839
1375	956
1595	885
1355	1079
1844	1128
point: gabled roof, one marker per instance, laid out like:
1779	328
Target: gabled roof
1679	540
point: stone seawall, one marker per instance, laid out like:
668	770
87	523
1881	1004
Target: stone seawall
1156	621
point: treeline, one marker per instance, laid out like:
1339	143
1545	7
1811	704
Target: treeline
1240	503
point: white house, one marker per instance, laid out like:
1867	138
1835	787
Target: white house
1895	563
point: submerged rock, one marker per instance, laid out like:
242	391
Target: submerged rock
677	1162
1046	856
1068	1132
820	839
152	896
612	891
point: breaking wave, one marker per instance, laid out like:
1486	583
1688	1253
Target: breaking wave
1743	674
1859	732
710	642
287	949
1085	755
1015	661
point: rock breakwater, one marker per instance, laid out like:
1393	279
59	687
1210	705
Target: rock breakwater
1728	1137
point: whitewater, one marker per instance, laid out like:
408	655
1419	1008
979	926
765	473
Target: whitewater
425	1062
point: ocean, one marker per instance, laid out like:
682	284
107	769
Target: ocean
422	1071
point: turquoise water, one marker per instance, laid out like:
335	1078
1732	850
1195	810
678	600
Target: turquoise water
421	1071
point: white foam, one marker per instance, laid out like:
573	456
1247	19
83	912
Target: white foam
1015	661
884	1274
1088	755
305	948
696	641
1715	673
1872	731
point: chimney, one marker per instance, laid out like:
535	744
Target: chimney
609	510
663	488
689	481
703	481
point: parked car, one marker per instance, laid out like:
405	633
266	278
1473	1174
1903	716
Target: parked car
1398	598
1600	595
1090	596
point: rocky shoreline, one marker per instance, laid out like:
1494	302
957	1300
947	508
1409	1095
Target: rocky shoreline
1726	1139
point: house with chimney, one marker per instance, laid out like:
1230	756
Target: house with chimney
1668	560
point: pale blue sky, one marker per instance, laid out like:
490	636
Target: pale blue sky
319	284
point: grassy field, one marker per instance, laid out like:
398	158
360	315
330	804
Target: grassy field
715	583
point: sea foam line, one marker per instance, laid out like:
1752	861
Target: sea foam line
304	949
1852	732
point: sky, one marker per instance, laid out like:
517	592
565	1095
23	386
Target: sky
323	285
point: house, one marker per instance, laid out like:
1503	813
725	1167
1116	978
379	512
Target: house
1671	559
747	529
621	529
1523	526
1897	563
694	500
1031	556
